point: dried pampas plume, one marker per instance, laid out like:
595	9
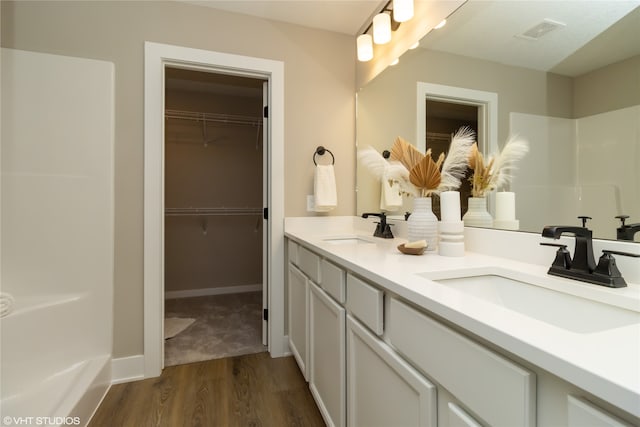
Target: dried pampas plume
382	169
505	163
455	163
499	170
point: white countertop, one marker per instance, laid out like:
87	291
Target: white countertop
605	363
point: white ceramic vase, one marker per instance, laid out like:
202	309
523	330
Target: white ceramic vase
477	214
422	223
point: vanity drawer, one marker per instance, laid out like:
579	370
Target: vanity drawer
333	280
365	302
496	389
292	252
309	263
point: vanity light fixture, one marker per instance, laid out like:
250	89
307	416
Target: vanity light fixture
395	62
415	45
402	10
441	24
364	43
382	28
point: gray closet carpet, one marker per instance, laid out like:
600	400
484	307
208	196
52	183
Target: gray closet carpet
226	325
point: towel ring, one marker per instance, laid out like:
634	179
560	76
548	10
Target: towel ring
320	151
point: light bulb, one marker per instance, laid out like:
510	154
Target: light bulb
382	28
365	48
402	10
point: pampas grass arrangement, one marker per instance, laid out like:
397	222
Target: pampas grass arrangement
498	170
382	169
445	173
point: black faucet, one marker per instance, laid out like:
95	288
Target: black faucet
583	258
583	265
626	231
382	229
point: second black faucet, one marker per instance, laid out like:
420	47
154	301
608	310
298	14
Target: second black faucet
383	229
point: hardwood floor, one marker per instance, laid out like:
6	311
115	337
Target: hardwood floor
251	390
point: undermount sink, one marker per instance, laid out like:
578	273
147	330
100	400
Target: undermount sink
559	309
347	240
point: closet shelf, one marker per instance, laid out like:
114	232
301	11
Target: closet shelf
228	119
211	211
437	136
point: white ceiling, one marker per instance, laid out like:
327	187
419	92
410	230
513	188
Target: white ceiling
342	16
489	29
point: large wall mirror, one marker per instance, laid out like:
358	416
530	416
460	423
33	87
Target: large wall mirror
566	76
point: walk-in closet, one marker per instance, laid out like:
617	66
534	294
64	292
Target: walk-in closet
213	231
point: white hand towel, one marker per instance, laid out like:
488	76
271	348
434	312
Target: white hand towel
324	188
390	197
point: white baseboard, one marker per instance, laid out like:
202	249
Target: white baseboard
286	350
126	369
212	291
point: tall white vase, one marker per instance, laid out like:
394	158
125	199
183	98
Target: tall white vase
477	214
422	223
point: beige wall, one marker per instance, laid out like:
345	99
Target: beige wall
319	103
609	88
204	252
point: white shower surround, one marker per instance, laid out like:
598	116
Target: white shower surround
568	173
57	235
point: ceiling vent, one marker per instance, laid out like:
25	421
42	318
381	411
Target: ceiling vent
542	29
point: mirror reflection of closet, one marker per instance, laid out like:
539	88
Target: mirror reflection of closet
443	119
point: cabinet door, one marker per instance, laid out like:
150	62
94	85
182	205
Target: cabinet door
582	413
382	389
459	418
298	322
327	356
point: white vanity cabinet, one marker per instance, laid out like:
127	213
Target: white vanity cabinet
298	308
500	391
375	358
582	413
327	372
317	329
383	389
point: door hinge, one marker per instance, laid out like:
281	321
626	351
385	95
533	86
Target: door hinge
265	213
265	111
265	314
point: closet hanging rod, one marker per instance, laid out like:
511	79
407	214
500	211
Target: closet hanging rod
211	211
214	117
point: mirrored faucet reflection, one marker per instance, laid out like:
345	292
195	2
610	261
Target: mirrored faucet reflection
626	231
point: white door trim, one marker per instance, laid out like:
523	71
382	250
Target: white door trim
487	102
157	56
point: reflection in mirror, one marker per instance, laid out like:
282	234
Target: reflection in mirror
573	93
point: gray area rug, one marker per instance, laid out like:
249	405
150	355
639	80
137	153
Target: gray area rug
174	325
226	325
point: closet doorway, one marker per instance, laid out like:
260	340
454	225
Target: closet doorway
443	119
214	238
